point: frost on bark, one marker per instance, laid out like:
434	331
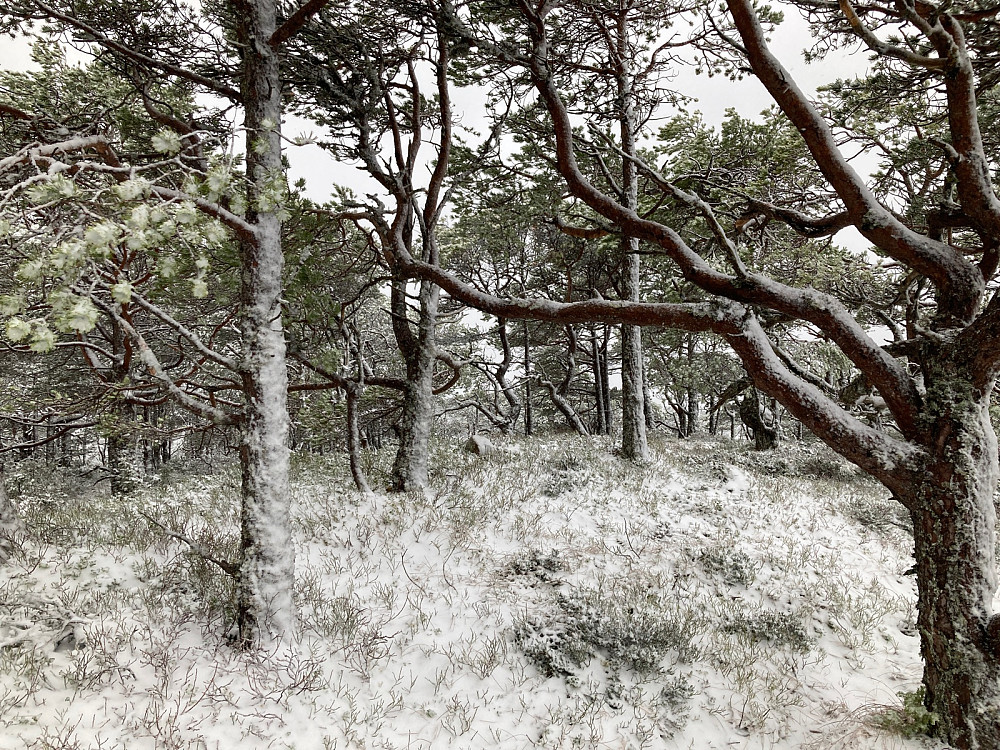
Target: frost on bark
634	446
266	575
954	531
409	470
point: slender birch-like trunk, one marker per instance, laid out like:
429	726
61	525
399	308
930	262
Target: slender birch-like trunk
634	445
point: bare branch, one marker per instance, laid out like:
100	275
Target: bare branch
960	282
230	568
188	335
882	48
296	21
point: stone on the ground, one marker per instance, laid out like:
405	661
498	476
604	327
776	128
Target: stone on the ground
480	445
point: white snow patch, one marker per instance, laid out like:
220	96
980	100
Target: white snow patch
783	617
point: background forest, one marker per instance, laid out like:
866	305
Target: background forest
583	254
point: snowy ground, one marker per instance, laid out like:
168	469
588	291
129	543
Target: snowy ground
548	595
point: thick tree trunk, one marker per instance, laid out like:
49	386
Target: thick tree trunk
410	469
954	529
764	437
265	610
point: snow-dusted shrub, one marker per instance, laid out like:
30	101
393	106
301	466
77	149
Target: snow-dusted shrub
553	644
778	628
629	625
909	720
734	567
876	513
534	563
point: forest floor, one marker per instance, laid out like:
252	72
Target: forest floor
547	595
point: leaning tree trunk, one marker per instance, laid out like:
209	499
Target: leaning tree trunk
954	530
513	411
265	610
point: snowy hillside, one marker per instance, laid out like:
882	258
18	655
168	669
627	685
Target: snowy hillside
547	595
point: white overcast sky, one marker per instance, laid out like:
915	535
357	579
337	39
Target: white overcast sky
714	96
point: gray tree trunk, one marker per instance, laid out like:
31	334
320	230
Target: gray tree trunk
11	527
410	469
123	459
564	406
601	423
693	411
634	445
605	356
528	415
647	399
266	576
954	531
354	438
513	411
